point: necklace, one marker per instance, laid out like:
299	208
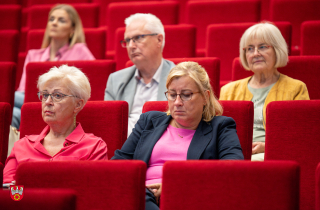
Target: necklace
177	129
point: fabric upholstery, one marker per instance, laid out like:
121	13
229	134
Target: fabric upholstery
7	82
39	199
318	187
9	45
20	63
30	3
292	134
240	111
97	71
295	12
179	43
310	40
303	68
98	184
105	119
166	11
203	13
5	121
230	185
1	172
10	17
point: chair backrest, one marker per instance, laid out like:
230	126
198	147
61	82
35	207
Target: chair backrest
1	172
203	13
230	185
105	119
98	184
97	71
179	43
223	42
37	2
240	111
38	15
7	82
9	45
318	187
10	17
292	133
310	39
303	68
166	11
93	36
38	199
5	121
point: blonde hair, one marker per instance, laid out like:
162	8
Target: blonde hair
269	34
196	72
77	82
78	35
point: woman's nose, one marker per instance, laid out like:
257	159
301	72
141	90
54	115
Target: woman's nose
178	101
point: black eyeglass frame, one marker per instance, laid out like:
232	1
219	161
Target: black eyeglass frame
126	41
165	93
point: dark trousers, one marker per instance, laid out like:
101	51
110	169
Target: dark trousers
151	203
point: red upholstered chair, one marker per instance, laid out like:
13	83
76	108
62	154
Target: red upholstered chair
179	43
10	17
106	119
5	121
98	184
292	134
223	42
203	13
97	71
240	111
1	173
37	2
318	187
310	40
230	185
7	82
39	199
295	12
4	2
9	45
166	11
304	68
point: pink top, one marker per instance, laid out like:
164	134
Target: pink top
169	147
79	51
77	146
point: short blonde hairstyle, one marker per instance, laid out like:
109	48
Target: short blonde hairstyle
78	35
153	24
269	34
201	78
76	81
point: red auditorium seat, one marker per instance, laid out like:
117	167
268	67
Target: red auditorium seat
106	119
295	12
230	185
98	184
304	68
39	199
1	173
203	13
310	39
97	71
318	187
37	2
179	43
3	2
5	121
7	82
166	11
292	134
223	42
10	17
9	45
240	111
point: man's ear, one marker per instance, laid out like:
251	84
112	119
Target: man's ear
160	39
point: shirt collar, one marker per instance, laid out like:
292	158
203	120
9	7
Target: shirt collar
156	76
60	52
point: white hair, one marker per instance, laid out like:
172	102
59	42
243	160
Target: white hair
153	24
77	82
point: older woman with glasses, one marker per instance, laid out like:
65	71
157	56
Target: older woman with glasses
63	92
192	128
263	50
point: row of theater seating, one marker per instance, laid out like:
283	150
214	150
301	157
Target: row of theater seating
291	135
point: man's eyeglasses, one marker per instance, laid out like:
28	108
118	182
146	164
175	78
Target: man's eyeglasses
260	48
135	39
172	96
56	97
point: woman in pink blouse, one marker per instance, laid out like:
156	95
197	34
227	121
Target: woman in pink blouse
63	40
63	92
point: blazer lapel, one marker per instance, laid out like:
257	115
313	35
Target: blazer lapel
163	79
199	141
129	88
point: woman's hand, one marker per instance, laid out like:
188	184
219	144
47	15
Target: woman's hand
156	190
258	147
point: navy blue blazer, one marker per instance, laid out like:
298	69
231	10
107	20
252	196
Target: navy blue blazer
215	140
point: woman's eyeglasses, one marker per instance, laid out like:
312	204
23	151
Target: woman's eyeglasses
172	96
260	49
55	97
